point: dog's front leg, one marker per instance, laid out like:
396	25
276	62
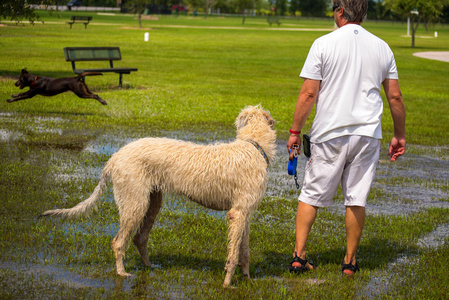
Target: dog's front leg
244	251
237	220
18	95
21	96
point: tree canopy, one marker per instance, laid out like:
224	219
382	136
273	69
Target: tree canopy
417	10
19	10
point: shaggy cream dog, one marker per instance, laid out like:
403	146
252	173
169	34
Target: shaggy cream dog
224	176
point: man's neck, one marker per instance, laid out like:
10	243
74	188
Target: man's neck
348	23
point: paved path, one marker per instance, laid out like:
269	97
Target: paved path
442	55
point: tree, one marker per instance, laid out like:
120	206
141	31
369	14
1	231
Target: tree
208	5
416	10
313	8
294	6
19	10
137	7
194	4
243	6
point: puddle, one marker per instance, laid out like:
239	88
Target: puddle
418	181
9	136
35	124
380	283
61	276
414	183
436	238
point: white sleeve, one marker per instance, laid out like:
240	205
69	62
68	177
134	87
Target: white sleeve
312	68
392	72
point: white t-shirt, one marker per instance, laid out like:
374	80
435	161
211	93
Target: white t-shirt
351	64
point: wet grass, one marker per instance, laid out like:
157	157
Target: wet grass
191	84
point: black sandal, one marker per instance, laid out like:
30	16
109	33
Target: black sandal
350	268
303	263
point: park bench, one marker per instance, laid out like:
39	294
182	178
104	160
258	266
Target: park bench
273	20
81	19
76	54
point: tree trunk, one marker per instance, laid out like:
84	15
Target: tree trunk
414	28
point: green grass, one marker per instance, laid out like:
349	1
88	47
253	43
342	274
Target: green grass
195	75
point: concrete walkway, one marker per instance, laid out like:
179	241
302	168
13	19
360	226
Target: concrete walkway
441	56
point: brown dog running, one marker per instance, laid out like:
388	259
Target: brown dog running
47	86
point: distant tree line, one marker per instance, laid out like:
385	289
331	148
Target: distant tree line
436	10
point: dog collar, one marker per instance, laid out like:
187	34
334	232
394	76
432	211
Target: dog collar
33	81
261	151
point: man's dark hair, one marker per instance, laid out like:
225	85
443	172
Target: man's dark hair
353	10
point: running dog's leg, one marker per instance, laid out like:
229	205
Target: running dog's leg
142	235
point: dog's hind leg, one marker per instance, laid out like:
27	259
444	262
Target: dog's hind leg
237	225
95	96
132	209
84	92
141	237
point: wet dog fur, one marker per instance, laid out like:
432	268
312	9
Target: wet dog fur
223	176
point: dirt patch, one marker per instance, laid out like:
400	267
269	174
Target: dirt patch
137	28
8	77
434	55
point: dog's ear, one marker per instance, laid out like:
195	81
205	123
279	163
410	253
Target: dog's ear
270	120
253	111
241	120
24	71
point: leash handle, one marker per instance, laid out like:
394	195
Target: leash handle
293	162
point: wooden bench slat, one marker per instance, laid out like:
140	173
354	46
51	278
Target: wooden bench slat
92	53
115	70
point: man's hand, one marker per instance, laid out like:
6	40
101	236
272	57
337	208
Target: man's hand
293	139
397	148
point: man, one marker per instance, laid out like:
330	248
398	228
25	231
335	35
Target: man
343	74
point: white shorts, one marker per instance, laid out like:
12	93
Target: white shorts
351	160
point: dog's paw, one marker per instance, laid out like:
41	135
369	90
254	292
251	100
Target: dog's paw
10	100
146	262
125	274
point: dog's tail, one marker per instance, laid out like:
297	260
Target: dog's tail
88	74
82	208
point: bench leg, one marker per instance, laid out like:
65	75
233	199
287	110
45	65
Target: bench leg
85	25
120	80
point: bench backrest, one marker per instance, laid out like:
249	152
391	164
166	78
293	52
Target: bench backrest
92	53
74	18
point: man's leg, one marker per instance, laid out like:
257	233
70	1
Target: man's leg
355	220
305	216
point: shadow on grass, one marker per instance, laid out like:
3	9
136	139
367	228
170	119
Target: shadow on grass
38	72
376	253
